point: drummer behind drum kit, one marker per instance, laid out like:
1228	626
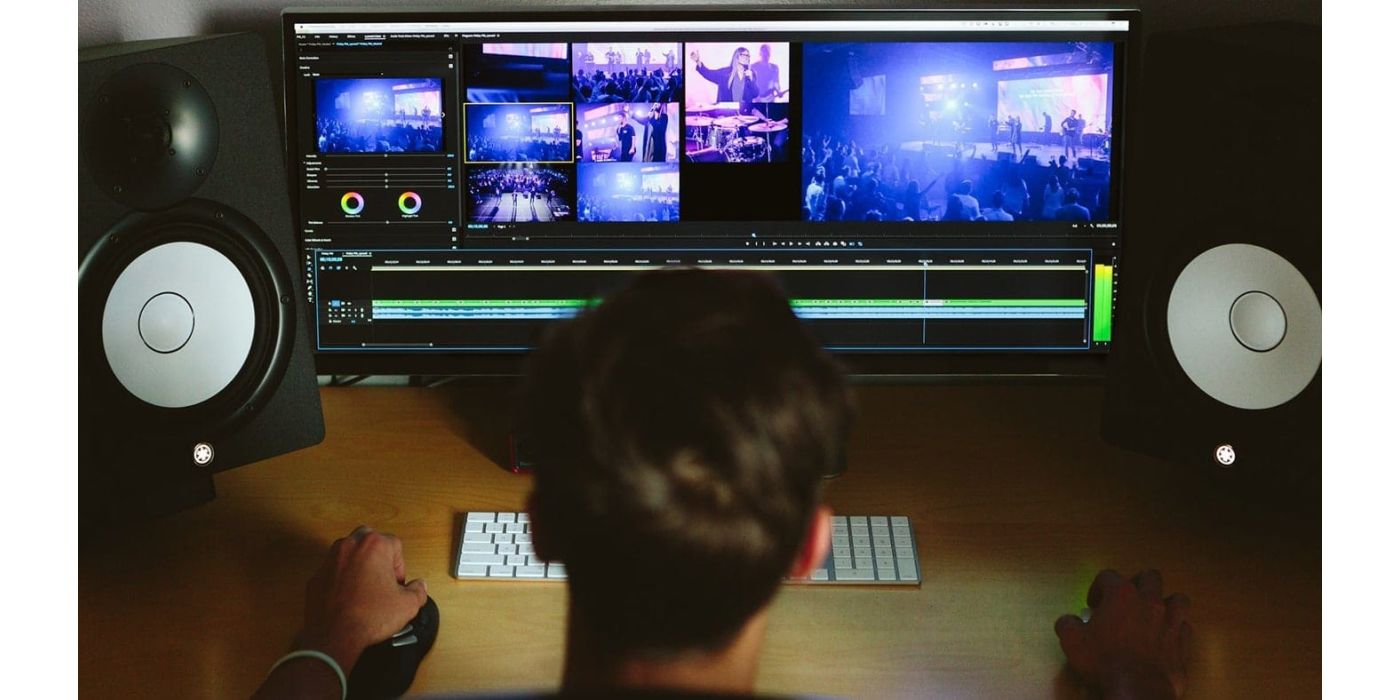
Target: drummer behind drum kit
719	133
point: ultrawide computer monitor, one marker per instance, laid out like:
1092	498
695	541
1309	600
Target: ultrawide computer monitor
930	187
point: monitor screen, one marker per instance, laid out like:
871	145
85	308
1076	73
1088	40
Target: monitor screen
921	183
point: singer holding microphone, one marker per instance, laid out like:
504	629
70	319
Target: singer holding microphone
735	83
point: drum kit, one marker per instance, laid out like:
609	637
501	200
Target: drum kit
740	138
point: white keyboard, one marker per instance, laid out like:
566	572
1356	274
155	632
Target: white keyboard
865	550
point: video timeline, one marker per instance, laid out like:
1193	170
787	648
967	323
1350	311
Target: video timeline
896	299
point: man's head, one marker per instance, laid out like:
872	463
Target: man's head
682	429
765	52
1071	196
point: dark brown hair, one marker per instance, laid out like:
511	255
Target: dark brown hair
681	430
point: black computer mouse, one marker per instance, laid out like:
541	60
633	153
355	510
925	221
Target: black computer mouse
386	669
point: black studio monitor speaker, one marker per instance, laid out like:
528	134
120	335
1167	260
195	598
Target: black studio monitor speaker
1218	359
192	356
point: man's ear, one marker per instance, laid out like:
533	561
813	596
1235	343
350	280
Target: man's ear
540	539
815	544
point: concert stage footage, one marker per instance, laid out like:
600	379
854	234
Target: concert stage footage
736	102
629	192
626	72
515	72
379	115
520	192
624	133
519	133
989	131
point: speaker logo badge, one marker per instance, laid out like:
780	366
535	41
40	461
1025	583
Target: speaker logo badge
203	454
1225	455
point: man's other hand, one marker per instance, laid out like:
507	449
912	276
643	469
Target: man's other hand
1135	643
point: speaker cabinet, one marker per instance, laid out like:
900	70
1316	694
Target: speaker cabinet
1218	360
192	355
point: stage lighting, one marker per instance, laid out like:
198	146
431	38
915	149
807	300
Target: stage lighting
974	85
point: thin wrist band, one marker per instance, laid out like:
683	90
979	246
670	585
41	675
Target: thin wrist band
313	654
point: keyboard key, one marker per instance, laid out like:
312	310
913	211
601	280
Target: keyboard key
526	549
476	537
864	563
840	551
555	571
471	570
532	560
481	517
886	574
899	520
474	558
503	538
879	520
495	527
855	574
502	572
904	552
515	560
529	571
820	575
522	518
884	553
861	540
880	563
515	528
838	521
505	517
881	540
505	549
475	527
907	570
903	541
526	538
478	548
840	541
859	521
861	552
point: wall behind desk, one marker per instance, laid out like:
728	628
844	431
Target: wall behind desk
107	21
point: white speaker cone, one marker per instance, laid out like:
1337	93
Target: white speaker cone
1246	326
178	324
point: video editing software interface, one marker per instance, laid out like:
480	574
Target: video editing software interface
915	184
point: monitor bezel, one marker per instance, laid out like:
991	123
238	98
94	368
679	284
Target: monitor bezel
933	364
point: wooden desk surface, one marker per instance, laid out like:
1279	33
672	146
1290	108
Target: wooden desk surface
1015	501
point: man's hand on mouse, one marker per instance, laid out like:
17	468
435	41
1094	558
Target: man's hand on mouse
358	596
1136	643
